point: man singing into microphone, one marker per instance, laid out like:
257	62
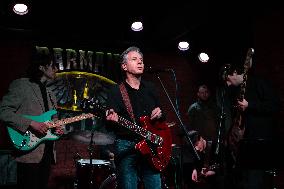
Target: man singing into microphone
133	98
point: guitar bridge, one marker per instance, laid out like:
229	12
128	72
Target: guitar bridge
160	141
155	139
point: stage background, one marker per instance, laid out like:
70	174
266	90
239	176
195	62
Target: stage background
269	62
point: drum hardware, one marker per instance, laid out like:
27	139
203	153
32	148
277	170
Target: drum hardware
109	183
99	138
172	176
77	156
91	149
271	175
90	165
91	176
91	172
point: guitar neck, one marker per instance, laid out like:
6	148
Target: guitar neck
61	122
211	168
149	136
243	85
247	66
133	127
121	120
143	132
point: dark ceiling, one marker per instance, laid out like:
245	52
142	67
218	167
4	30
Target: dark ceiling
205	24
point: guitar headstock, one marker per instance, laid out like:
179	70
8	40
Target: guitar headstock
248	61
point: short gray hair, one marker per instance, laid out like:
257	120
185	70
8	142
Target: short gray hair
123	56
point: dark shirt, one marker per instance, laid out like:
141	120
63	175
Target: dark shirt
143	101
203	118
257	148
263	106
207	157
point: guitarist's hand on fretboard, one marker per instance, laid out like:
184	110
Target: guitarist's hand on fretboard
205	172
111	115
242	105
59	128
197	177
39	127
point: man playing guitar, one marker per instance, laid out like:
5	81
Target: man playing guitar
133	99
203	172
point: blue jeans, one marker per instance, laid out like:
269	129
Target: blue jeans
132	168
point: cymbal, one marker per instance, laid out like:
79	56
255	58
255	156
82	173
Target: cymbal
99	138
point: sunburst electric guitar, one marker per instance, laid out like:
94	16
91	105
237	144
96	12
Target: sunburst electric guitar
29	140
237	128
156	140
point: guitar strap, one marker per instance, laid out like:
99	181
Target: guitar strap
48	150
43	95
126	101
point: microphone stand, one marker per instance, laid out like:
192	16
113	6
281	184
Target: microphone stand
188	140
91	155
179	119
221	122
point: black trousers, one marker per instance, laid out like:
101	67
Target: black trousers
34	175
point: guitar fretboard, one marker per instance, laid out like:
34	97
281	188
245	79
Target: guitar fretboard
69	120
149	136
247	66
140	131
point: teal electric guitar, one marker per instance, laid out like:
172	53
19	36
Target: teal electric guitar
28	141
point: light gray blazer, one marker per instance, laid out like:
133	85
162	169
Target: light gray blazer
24	98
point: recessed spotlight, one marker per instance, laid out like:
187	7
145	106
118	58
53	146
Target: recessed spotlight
137	26
203	57
183	45
20	9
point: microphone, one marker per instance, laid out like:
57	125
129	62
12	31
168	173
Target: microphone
157	70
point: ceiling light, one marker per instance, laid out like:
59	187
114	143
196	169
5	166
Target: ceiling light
20	9
137	26
203	57
183	45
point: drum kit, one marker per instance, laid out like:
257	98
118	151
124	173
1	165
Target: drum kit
99	138
71	88
94	173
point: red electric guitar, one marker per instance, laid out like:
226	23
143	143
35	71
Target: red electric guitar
156	143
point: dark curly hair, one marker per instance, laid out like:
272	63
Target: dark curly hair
229	69
38	58
194	136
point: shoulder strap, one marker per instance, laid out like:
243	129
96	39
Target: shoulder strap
126	101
